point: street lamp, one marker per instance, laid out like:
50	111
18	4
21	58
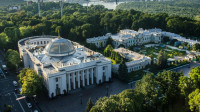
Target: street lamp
107	90
81	97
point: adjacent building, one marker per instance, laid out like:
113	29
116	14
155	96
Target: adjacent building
128	38
14	7
64	65
135	62
179	38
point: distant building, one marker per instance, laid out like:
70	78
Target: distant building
64	65
28	2
14	7
128	38
179	38
136	61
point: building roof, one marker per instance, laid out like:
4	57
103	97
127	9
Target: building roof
59	47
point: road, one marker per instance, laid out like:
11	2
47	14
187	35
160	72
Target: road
7	94
186	68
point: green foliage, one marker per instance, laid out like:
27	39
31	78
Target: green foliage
151	91
22	74
123	71
89	105
194	75
126	101
3	40
169	81
110	53
176	7
108	50
194	100
162	59
155	93
26	31
12	59
31	82
109	41
196	47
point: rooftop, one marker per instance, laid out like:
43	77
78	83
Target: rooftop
56	56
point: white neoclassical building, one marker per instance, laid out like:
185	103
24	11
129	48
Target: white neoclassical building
136	61
128	38
64	65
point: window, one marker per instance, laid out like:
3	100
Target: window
41	42
56	85
44	42
56	79
104	68
37	43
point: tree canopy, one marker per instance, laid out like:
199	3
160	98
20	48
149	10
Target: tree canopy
31	82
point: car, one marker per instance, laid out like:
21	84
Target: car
29	105
36	111
15	83
15	90
20	89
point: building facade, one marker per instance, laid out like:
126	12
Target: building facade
128	38
64	65
136	60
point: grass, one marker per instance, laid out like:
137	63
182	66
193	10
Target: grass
173	52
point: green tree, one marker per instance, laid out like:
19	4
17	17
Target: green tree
169	81
22	74
194	100
185	85
151	91
12	59
3	40
196	47
89	105
31	83
109	41
108	50
123	71
194	75
26	31
162	59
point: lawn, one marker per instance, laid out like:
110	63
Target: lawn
155	50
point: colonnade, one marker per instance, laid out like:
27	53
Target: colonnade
81	78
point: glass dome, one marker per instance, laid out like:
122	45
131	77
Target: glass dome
59	47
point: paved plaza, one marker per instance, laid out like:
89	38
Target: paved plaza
72	103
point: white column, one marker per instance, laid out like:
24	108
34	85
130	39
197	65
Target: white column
78	79
74	82
69	82
88	78
83	78
92	76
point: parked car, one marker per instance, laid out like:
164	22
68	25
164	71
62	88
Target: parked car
15	83
20	89
36	111
15	90
29	105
